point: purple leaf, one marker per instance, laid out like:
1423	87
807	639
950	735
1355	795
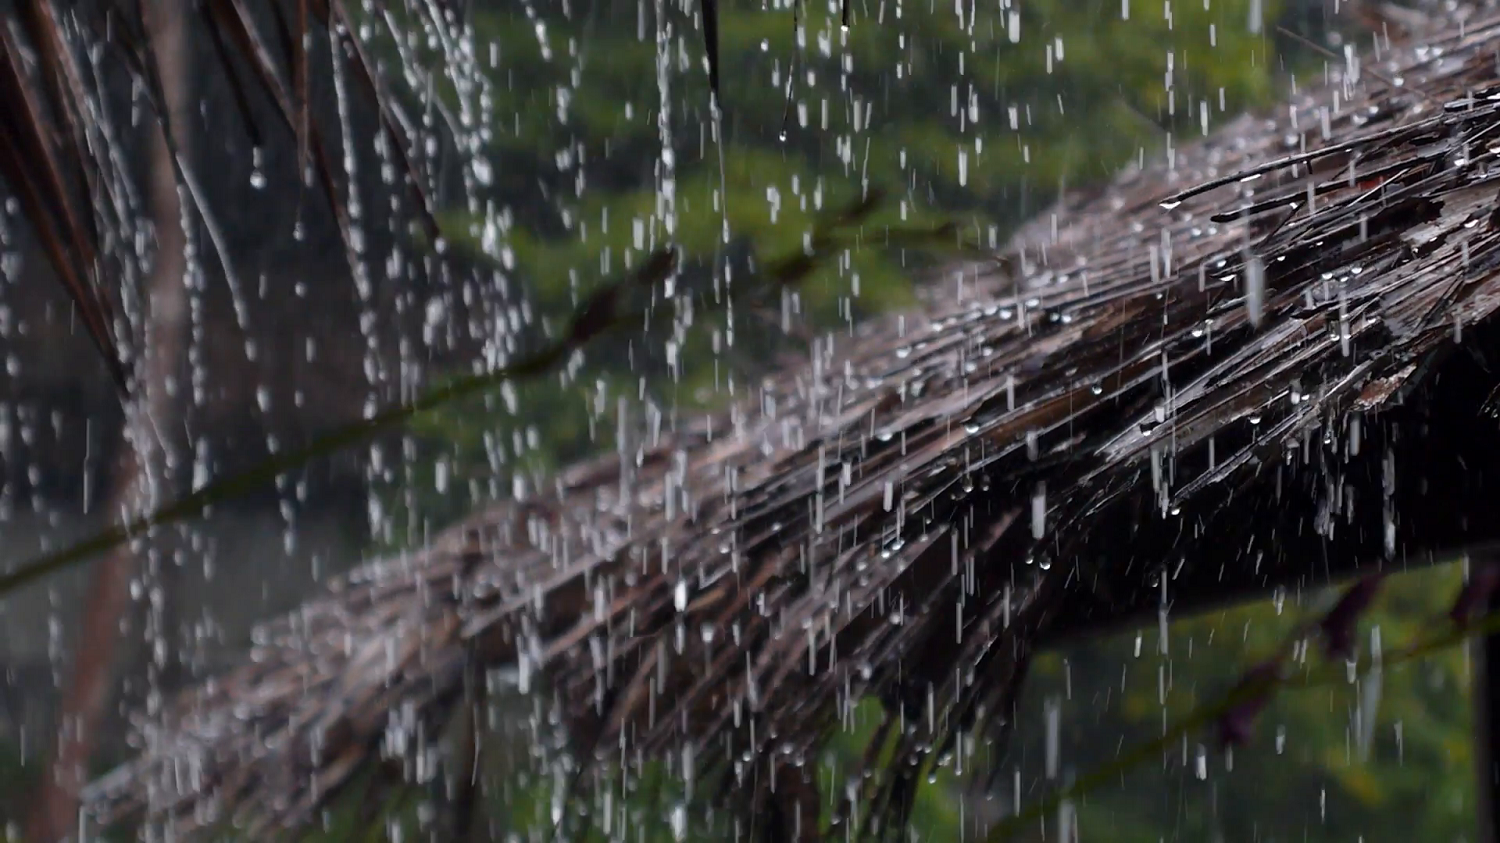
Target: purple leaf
1254	693
1474	599
1338	626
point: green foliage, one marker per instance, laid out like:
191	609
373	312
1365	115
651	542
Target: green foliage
1303	777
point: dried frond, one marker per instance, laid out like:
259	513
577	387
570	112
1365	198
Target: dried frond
1224	373
59	167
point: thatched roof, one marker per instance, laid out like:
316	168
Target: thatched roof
1230	371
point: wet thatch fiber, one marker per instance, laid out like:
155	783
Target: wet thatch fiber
59	153
1265	362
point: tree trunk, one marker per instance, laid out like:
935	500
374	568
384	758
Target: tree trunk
154	413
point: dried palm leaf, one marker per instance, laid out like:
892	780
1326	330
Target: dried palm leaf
1226	373
48	159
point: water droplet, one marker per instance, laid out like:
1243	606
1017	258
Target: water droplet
1039	511
1255	289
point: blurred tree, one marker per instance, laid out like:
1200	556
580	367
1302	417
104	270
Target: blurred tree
1383	758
